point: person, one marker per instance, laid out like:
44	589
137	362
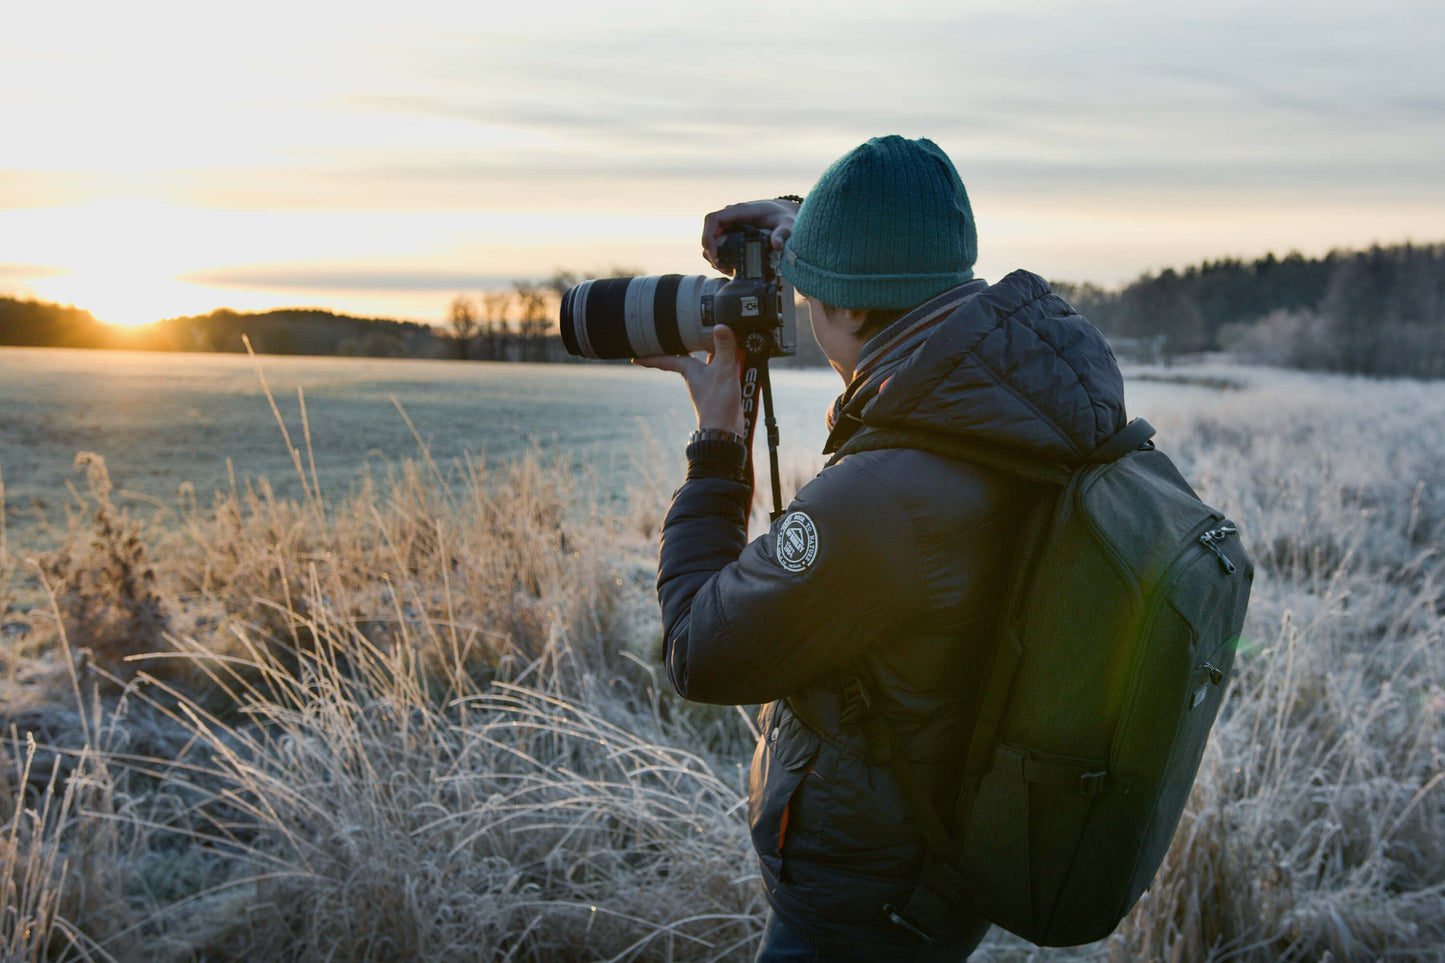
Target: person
893	558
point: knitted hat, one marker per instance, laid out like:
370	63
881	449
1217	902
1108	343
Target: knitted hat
887	226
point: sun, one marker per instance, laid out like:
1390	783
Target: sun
121	258
123	295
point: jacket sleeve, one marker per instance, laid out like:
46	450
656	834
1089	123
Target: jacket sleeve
744	624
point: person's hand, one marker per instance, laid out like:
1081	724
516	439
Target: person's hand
776	216
715	385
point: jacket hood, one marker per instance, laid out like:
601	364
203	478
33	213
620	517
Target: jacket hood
1013	365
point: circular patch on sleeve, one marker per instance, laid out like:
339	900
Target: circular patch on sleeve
797	542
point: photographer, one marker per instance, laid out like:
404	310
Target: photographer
888	565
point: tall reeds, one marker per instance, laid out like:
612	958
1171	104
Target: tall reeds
421	721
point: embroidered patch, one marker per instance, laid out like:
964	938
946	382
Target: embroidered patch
797	542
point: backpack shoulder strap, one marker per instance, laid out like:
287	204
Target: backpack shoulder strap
1131	437
940	889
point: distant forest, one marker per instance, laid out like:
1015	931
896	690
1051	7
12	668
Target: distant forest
513	325
1377	312
287	331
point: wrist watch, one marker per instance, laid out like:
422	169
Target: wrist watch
715	434
717	453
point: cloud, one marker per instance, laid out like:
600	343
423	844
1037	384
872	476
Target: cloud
29	272
1117	109
300	277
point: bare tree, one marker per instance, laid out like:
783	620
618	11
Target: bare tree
560	281
463	318
533	318
494	321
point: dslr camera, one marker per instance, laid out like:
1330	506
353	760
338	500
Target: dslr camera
674	313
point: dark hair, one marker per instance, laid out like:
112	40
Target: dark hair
877	319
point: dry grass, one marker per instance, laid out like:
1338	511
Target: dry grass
418	722
397	726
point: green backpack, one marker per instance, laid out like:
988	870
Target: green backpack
1127	596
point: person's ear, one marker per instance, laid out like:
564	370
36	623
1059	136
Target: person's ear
850	320
855	319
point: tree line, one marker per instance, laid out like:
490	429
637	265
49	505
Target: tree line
517	323
513	324
1380	312
33	323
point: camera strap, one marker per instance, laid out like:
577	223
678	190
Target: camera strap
755	385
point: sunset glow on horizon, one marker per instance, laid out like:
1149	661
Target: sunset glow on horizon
164	159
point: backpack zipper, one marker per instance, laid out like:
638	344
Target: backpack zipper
1212	539
1155	602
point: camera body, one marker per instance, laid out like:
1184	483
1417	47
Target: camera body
757	304
638	317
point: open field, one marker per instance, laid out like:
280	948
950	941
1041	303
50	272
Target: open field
422	721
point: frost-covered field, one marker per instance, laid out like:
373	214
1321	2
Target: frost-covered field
421	721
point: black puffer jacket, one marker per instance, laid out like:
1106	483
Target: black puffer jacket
893	556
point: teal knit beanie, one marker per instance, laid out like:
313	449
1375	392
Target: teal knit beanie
887	226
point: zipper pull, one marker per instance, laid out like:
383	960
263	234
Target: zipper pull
1211	540
1216	676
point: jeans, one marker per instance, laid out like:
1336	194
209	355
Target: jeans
782	945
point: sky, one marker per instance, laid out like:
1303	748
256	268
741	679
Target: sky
159	159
